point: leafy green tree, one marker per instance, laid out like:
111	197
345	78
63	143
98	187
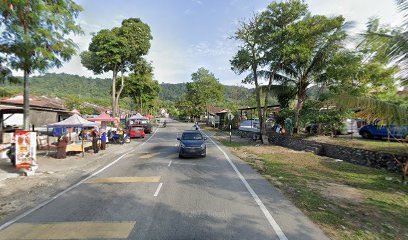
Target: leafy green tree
170	106
73	102
318	38
203	90
280	23
35	37
352	73
141	87
117	50
249	57
186	108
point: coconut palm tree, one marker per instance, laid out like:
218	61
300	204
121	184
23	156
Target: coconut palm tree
392	43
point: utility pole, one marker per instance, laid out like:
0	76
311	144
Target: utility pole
230	116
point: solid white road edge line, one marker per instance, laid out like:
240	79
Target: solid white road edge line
158	190
265	211
169	163
3	226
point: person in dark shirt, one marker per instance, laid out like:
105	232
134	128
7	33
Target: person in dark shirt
95	136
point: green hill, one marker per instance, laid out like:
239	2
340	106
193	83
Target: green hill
98	89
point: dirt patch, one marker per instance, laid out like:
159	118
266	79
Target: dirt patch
263	150
340	192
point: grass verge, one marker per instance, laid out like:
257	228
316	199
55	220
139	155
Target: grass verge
347	201
368	144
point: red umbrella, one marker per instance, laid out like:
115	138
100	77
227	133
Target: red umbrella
149	116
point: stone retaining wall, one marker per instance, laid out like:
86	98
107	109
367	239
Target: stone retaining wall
353	155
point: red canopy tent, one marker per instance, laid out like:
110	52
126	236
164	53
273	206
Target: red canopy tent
103	118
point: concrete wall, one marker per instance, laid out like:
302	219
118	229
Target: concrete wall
353	155
42	118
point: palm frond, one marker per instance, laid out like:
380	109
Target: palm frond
403	7
372	109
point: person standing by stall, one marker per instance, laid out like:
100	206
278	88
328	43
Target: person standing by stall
103	139
95	136
62	147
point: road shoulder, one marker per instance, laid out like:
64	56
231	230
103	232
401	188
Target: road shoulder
291	220
21	193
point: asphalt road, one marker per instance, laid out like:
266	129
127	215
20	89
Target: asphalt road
149	193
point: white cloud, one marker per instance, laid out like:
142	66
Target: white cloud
358	11
197	1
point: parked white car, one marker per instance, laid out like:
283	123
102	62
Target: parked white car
350	126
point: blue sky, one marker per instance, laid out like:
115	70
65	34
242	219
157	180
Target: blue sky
188	34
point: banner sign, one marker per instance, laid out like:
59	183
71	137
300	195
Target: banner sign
26	149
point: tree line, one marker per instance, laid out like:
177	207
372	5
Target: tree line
286	50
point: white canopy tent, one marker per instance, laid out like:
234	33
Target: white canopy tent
75	121
137	116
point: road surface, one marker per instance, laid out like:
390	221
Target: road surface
149	193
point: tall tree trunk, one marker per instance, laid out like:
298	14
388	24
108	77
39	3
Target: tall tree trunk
258	99
141	102
301	96
122	85
26	103
265	111
115	73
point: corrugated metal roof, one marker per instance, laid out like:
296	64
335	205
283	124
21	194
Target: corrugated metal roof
37	101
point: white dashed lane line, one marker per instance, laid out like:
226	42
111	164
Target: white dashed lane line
158	190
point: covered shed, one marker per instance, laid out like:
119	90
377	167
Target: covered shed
43	110
251	113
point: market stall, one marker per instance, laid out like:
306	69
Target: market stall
103	119
75	121
137	119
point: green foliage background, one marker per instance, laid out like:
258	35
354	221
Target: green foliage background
76	88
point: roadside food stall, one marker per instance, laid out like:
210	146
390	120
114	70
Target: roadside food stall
75	121
103	119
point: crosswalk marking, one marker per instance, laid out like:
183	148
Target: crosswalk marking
68	230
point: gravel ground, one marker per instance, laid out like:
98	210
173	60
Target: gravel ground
19	193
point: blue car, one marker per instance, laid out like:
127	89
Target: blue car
192	143
376	131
